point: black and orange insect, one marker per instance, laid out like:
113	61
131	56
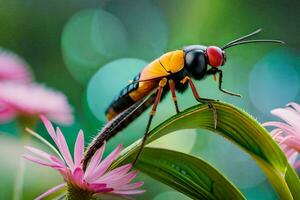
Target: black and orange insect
173	71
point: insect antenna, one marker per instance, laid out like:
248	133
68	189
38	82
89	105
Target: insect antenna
242	38
252	41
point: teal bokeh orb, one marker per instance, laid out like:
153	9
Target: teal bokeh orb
79	53
274	80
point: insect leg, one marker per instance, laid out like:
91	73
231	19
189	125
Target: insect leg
203	100
162	83
172	88
220	85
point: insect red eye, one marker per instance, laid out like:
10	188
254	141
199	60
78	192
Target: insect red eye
215	56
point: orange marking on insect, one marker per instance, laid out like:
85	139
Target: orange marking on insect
185	79
215	77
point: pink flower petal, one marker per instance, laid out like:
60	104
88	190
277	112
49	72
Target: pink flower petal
65	172
297	165
62	118
13	68
117	183
285	127
288	150
276	132
79	149
293	142
97	186
96	179
40	161
292	158
38	152
64	149
132	186
51	159
295	106
94	162
104	190
115	173
58	162
105	164
34	99
78	176
54	189
37	136
50	129
6	114
289	115
278	139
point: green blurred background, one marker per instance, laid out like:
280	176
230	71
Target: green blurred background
90	49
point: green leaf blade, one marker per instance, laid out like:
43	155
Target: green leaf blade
187	174
237	126
293	182
241	129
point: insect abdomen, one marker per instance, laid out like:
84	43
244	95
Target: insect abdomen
123	100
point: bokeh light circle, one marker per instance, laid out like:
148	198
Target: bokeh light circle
79	54
274	81
93	37
108	35
145	24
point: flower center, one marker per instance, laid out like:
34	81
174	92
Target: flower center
75	193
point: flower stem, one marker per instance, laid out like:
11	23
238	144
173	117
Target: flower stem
18	189
25	138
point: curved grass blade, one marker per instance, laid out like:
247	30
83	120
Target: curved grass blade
188	174
292	180
240	128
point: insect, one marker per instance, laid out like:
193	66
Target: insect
173	71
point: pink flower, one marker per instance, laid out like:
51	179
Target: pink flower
13	68
288	134
96	180
33	100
